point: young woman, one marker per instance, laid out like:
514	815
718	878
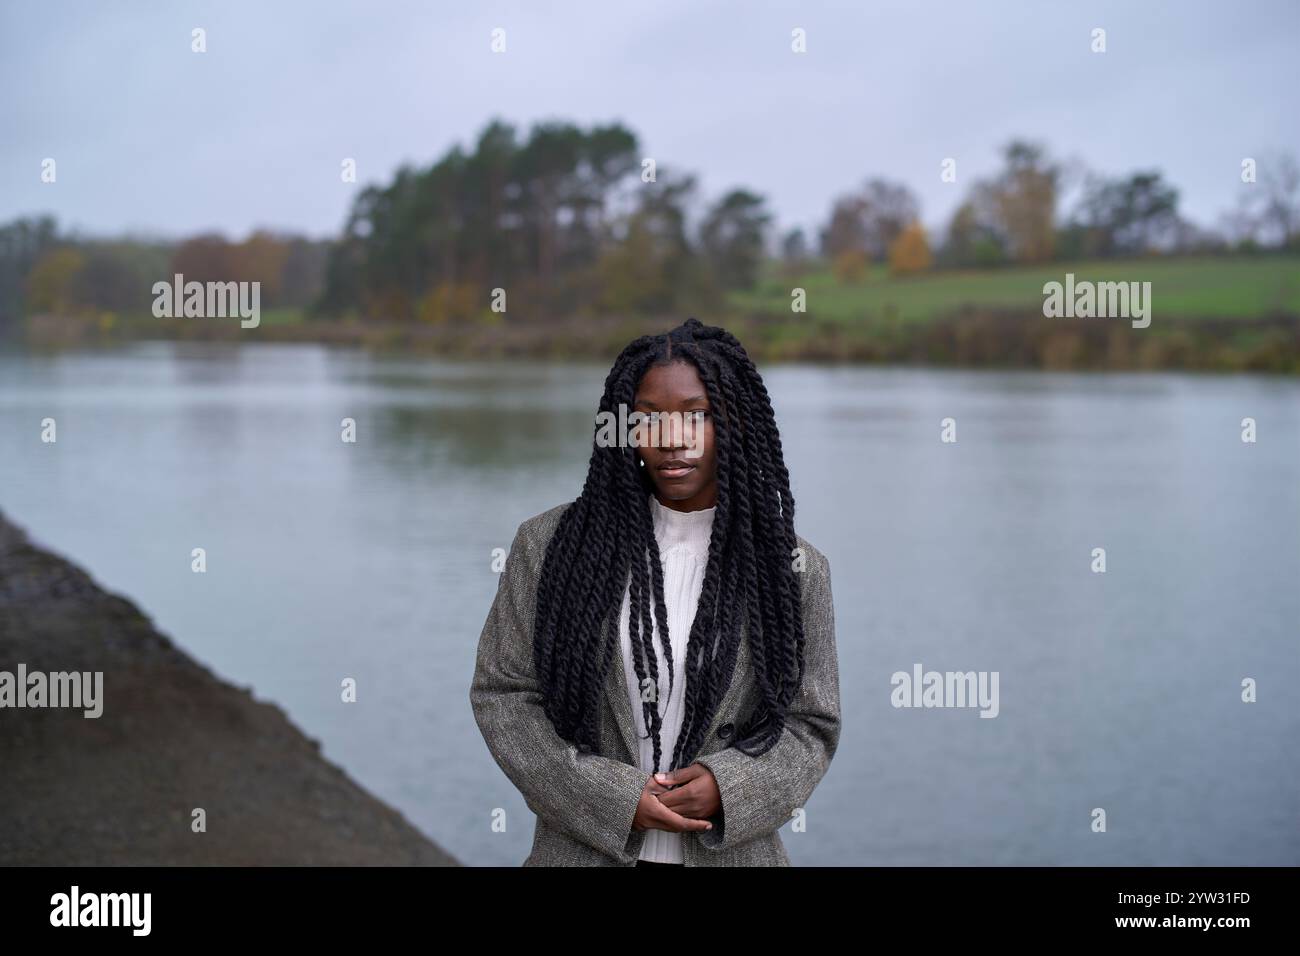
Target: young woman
658	673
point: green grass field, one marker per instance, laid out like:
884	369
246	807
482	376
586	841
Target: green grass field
1198	288
1222	314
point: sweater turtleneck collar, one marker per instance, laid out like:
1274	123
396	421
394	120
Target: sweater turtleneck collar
689	529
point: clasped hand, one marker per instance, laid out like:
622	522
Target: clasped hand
679	802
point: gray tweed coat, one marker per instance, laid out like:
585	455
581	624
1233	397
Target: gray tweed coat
585	802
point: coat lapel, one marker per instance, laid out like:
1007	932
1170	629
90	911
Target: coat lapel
618	698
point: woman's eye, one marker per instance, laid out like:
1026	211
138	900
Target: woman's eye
699	415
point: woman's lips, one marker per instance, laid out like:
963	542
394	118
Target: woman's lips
675	469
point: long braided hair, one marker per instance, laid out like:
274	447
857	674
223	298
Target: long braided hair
604	546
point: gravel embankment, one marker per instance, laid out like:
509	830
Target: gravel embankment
121	789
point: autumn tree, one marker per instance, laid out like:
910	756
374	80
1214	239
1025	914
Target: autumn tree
910	252
869	220
1019	203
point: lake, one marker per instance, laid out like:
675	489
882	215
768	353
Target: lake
325	560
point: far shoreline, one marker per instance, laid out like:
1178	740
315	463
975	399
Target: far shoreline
966	339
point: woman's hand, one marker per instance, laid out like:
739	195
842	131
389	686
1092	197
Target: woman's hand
691	792
652	814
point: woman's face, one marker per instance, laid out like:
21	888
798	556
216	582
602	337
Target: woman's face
678	450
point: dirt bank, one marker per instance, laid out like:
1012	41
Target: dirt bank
121	788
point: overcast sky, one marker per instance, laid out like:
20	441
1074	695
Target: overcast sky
150	137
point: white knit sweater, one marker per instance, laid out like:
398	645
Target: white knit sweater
683	538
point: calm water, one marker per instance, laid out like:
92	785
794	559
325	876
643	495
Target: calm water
329	560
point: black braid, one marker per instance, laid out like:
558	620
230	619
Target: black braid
604	547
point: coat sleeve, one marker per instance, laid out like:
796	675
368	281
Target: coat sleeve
591	798
759	794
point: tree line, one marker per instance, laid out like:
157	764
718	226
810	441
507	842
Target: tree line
573	221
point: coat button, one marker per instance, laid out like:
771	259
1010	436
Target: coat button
726	730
